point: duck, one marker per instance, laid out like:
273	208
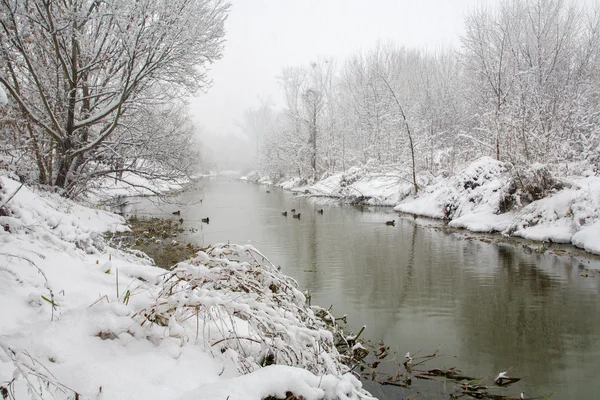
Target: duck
320	211
181	220
392	223
296	215
284	213
293	210
178	212
206	220
268	191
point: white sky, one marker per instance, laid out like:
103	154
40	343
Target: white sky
263	36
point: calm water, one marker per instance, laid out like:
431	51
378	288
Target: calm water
491	307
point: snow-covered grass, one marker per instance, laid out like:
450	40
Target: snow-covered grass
78	316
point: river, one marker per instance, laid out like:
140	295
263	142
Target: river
490	307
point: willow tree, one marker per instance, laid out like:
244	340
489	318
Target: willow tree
78	70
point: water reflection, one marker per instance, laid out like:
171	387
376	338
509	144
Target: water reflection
490	306
534	315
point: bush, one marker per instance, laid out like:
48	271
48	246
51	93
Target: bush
238	303
535	181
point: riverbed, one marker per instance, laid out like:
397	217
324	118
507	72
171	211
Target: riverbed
489	306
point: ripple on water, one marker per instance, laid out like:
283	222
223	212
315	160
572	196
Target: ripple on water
492	307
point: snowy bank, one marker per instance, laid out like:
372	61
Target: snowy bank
79	316
108	188
356	185
488	196
255	177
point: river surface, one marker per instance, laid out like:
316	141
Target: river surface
490	307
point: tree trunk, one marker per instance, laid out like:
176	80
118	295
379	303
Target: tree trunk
64	163
313	134
66	145
43	177
410	140
497	148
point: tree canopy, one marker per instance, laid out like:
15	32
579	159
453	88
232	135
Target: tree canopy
79	73
522	88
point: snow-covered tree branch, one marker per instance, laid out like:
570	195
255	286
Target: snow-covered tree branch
78	71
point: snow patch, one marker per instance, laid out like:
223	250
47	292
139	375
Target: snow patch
484	198
75	316
3	97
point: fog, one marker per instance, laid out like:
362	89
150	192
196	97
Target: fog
264	36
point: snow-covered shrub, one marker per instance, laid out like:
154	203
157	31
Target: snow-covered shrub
595	161
479	172
578	169
478	183
244	310
40	382
253	176
509	198
350	176
560	215
535	181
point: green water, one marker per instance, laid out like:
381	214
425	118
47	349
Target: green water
491	307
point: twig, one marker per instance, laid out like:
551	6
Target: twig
235	338
44	376
97	301
12	195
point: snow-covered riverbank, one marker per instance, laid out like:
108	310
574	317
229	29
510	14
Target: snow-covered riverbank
486	196
81	316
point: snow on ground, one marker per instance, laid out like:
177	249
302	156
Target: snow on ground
475	199
3	98
588	238
376	189
255	177
481	198
477	189
356	184
108	188
370	188
563	215
290	379
80	316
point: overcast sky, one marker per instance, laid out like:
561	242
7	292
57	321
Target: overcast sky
263	36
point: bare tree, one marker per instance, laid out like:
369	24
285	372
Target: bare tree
156	143
79	69
523	88
307	91
486	44
408	134
526	64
